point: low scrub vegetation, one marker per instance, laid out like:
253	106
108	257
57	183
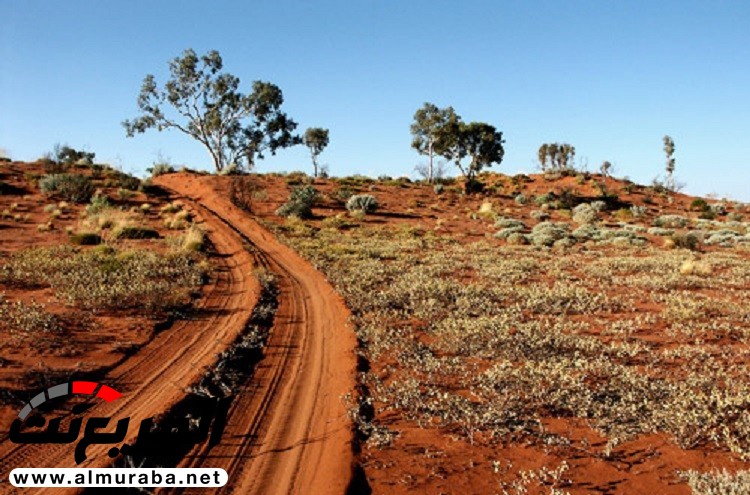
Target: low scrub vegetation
28	322
300	203
71	187
485	341
141	280
365	203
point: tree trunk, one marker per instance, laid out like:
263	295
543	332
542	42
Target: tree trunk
430	176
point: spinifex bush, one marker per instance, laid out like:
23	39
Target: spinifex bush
138	279
71	187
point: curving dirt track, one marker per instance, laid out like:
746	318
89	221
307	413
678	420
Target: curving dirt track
157	375
289	432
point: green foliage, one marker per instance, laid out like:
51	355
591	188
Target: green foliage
235	128
699	204
98	204
365	203
480	142
556	156
71	187
316	139
300	203
65	155
430	131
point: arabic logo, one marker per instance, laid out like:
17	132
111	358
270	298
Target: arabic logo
152	438
85	388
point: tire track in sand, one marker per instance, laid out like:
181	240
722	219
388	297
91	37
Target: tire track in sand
288	432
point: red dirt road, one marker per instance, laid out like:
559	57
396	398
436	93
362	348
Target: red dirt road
157	376
290	432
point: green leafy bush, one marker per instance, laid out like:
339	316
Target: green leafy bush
71	187
300	203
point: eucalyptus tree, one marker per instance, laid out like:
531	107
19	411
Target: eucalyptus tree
431	125
316	139
205	103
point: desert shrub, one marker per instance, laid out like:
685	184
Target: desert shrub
521	199
588	232
723	237
735	217
362	202
638	210
504	223
585	214
342	195
517	238
98	204
71	187
718	483
28	321
543	199
300	203
599	205
660	231
107	279
160	168
671	221
438	188
506	232
685	241
134	232
719	208
128	182
699	204
539	215
708	214
546	233
86	239
297	178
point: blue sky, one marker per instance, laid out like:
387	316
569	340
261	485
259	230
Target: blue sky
610	77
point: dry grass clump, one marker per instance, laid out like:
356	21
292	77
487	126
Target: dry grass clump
696	267
107	279
193	239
